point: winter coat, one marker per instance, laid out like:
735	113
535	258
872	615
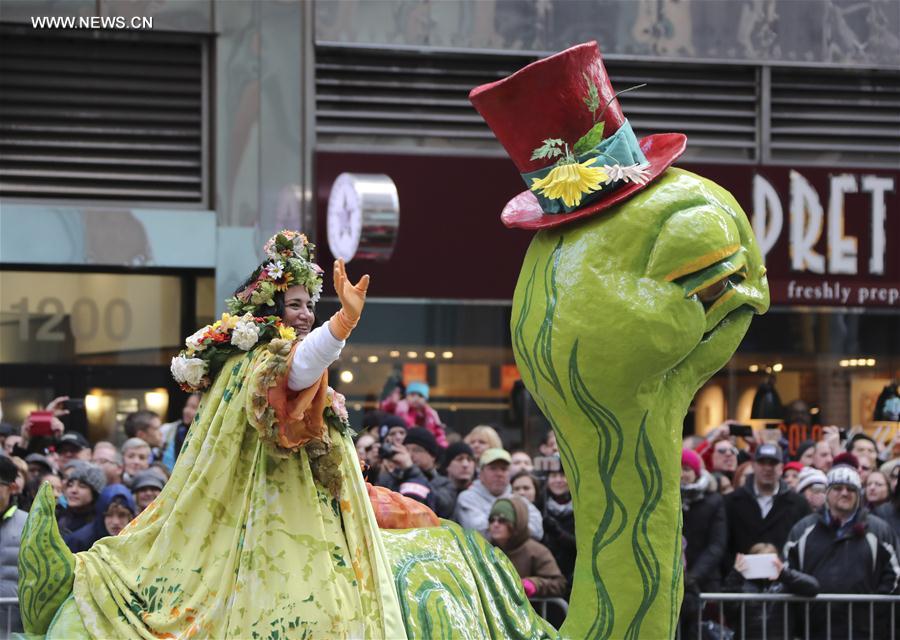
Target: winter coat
84	538
706	531
891	515
425	417
445	493
474	506
70	520
559	537
789	582
174	436
11	525
860	558
532	560
746	526
410	482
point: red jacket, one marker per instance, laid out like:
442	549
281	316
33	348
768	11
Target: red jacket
425	417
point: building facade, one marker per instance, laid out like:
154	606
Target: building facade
142	168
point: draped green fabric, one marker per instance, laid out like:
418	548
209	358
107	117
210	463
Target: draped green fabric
242	543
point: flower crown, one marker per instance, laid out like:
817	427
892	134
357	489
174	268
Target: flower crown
289	263
208	348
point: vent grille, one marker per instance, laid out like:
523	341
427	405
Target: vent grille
835	117
420	100
386	97
91	116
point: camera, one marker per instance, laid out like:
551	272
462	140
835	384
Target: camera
386	451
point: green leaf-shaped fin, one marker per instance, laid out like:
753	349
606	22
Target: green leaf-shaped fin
46	566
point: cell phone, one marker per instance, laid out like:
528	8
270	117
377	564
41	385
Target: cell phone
73	404
41	423
740	430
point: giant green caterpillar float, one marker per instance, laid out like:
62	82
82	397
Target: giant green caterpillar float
639	287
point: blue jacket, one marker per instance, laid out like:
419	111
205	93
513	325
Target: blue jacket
82	539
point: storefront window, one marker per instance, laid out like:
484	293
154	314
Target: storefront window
88	318
837	364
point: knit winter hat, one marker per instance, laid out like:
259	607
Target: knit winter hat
689	458
796	466
424	438
808	477
844	475
846	458
803	446
455	449
417	387
91	475
505	509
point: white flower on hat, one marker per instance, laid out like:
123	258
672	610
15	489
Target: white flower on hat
635	173
194	341
188	370
246	333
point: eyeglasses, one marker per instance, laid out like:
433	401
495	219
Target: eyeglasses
843	487
494	519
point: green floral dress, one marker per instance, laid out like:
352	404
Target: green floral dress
243	542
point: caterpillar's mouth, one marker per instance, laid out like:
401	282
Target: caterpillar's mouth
728	319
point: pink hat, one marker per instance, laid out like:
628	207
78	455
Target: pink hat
689	458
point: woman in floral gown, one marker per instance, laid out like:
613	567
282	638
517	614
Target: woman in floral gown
265	529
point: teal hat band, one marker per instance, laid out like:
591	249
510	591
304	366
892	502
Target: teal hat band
621	148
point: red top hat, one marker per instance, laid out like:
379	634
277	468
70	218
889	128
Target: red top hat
546	112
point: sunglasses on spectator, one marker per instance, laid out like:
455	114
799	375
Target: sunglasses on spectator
493	519
726	450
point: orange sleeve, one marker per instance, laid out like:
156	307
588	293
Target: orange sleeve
395	511
299	413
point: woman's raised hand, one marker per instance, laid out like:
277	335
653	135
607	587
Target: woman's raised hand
352	296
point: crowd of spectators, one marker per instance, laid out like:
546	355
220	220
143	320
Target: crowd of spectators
828	512
98	488
829	515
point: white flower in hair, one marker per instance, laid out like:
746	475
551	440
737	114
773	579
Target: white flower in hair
275	270
195	341
246	333
190	371
635	173
315	291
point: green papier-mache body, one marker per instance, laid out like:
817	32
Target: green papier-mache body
612	342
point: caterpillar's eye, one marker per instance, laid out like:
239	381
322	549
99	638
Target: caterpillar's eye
713	291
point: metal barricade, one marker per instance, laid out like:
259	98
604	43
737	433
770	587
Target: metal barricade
9	617
795	617
540	605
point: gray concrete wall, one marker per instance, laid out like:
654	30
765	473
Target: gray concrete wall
848	33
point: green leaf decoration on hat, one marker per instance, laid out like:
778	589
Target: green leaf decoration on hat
589	140
592	99
550	149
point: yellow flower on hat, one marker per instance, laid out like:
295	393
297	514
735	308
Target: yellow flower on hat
570	182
